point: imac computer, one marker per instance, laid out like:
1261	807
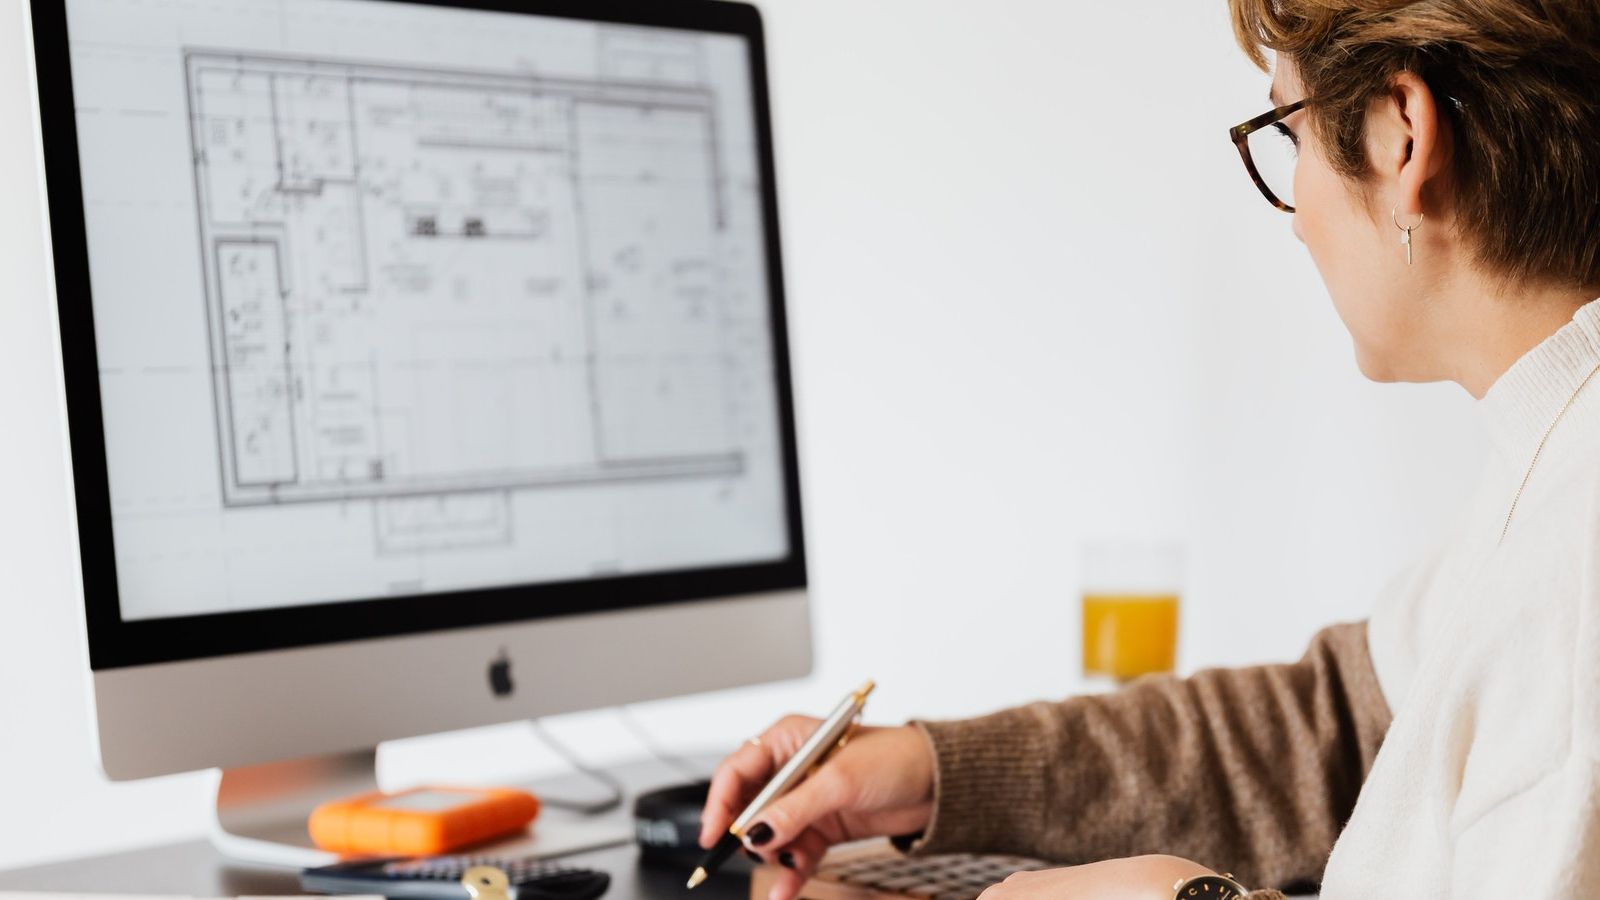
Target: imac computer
425	367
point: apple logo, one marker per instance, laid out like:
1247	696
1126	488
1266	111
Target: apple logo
500	675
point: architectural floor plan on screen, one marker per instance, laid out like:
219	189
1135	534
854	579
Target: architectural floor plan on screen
452	283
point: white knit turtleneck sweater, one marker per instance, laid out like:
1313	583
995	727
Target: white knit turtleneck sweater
1488	782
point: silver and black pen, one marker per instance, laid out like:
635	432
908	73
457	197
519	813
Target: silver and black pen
834	731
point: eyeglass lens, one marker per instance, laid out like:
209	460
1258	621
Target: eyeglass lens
1273	152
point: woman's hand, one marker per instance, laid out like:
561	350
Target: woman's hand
1131	878
879	783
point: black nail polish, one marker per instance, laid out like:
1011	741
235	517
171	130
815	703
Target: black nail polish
786	859
759	833
754	856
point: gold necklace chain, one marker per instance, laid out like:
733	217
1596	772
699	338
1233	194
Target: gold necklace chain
1540	449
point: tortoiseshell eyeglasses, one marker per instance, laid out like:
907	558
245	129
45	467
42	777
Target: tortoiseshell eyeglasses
1269	150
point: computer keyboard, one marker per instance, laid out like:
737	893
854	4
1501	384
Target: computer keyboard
439	878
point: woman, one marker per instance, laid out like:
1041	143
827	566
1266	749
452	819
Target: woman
1448	189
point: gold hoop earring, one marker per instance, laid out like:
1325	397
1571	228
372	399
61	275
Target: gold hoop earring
1405	230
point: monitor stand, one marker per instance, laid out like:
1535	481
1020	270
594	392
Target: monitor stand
261	810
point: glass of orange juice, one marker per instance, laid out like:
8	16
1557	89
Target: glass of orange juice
1130	607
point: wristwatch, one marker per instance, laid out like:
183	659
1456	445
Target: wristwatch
1208	887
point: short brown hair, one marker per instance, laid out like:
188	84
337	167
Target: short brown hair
1517	80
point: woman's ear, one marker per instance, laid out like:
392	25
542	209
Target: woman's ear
1408	143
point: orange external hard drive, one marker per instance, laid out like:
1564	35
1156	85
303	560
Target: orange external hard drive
423	821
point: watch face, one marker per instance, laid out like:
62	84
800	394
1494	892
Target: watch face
1209	887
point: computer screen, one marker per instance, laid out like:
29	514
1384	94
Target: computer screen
409	315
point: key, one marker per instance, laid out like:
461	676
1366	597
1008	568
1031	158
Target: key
486	883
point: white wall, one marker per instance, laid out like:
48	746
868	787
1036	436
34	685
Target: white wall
1035	298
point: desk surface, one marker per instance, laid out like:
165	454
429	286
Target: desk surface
196	869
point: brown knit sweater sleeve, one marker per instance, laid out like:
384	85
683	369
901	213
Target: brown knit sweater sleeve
1251	771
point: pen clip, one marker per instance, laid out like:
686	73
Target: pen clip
850	732
855	725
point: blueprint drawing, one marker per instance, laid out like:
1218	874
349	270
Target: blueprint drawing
443	281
